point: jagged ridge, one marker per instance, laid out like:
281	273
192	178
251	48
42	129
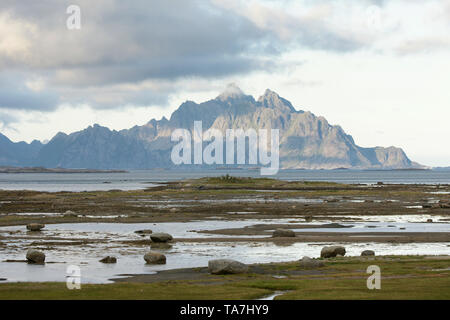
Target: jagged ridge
306	141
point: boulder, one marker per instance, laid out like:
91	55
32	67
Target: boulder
332	251
281	233
160	237
35	256
366	253
153	257
429	220
226	266
109	259
35	226
308	263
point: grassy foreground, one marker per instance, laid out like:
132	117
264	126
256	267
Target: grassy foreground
406	277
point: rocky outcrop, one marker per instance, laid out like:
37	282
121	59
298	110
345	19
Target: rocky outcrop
332	251
35	256
226	266
153	257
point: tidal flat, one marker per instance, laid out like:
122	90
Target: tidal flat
220	217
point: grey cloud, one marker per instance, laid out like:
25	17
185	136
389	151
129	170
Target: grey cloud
123	42
14	94
126	43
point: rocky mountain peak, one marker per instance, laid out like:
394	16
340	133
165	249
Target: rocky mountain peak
232	91
272	100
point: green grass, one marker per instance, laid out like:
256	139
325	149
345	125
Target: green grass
436	288
173	290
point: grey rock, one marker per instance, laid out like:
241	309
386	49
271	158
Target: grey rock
332	251
281	233
35	226
153	257
109	259
308	263
226	266
35	256
160	237
366	253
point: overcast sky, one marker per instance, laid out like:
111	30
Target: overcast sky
380	69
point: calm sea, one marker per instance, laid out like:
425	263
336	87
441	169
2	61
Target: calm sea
140	179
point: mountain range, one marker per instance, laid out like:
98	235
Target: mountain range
307	141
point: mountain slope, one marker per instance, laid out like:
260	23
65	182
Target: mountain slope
19	153
306	141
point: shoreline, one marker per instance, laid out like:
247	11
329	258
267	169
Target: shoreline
54	170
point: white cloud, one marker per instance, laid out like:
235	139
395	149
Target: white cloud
15	37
